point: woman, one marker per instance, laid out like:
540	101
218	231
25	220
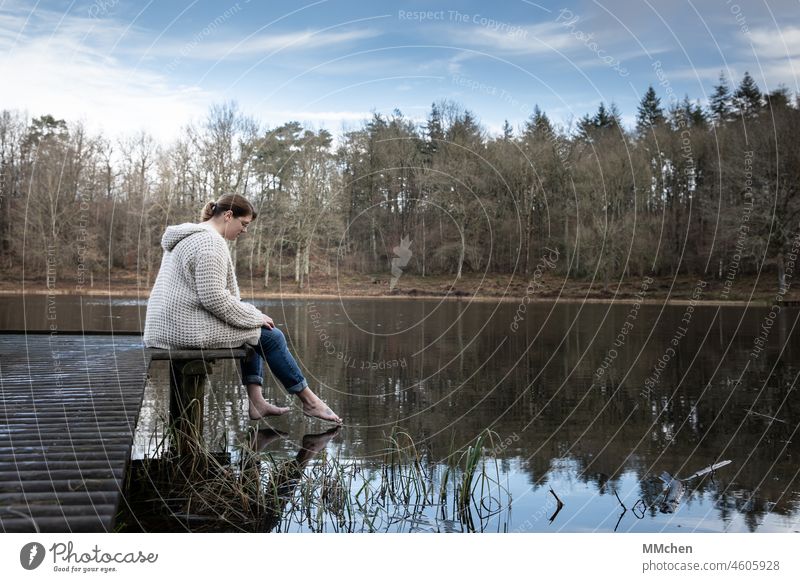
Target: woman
195	304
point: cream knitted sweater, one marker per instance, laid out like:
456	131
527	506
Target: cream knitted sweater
195	302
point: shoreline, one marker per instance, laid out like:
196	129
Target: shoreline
624	299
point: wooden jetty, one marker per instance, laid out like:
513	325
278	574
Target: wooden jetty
69	404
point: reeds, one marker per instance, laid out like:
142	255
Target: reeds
405	491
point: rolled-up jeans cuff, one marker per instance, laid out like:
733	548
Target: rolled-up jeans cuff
299	387
253	380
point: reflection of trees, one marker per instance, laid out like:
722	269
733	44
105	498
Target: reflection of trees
207	492
747	503
454	387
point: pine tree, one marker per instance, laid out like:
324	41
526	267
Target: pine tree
604	119
465	129
747	98
650	113
778	98
698	116
720	103
585	127
687	114
508	131
538	126
434	129
45	127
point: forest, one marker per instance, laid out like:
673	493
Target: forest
707	190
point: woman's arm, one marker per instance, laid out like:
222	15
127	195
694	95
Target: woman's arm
211	272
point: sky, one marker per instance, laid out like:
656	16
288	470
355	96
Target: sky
121	66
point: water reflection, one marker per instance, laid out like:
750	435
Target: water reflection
289	473
574	407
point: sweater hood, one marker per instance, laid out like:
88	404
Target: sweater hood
176	233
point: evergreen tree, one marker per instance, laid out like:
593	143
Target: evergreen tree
720	103
538	126
46	127
650	114
747	99
434	129
604	119
508	131
697	116
778	98
465	129
687	114
434	126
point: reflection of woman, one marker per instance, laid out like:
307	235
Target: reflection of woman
286	476
195	303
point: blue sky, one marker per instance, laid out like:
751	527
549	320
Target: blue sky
122	66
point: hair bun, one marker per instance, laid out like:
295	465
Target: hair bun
213	206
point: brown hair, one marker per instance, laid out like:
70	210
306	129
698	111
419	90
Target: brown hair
239	205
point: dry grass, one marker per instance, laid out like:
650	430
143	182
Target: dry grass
406	491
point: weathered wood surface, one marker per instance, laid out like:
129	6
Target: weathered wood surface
207	355
68	411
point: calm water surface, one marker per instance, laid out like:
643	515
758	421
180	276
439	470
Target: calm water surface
593	401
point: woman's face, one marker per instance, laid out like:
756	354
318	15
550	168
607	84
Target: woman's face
236	225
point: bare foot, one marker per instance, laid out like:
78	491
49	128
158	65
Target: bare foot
261	438
321	411
264	408
314	443
314	407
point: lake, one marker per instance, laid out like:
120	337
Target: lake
593	404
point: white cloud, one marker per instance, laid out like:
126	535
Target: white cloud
109	98
777	54
91	69
62	65
205	48
534	39
576	41
770	43
772	57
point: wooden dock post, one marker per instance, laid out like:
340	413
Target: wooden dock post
189	371
186	397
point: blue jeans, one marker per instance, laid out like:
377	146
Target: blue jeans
272	348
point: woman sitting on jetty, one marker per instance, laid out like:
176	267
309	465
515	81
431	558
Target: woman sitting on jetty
195	303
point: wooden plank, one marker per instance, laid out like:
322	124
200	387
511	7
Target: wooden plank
52	474
60	524
54	465
76	485
61	453
56	498
215	354
68	412
20	510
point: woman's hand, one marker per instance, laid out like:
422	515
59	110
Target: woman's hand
267	322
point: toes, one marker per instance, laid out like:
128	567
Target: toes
326	415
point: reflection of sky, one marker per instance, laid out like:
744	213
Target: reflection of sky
586	508
575	472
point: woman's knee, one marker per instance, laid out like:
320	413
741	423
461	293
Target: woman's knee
273	337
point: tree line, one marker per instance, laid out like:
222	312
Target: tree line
700	190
